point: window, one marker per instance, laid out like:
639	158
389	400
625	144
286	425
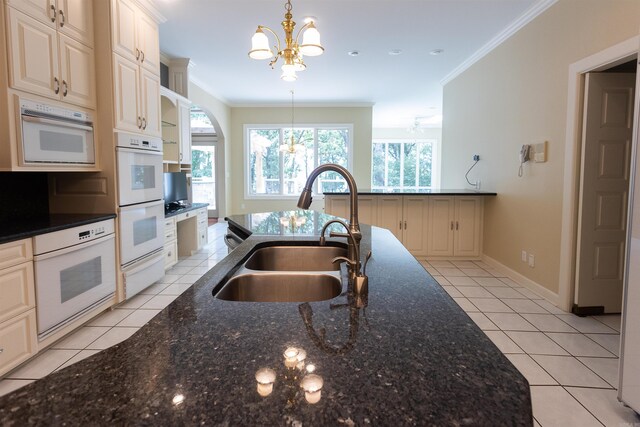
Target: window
274	172
406	165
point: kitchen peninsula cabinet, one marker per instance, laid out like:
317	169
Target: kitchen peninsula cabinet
446	223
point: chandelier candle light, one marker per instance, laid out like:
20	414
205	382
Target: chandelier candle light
292	52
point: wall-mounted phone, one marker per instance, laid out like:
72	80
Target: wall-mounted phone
524	157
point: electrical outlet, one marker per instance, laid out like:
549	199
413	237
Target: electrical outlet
476	157
532	261
523	256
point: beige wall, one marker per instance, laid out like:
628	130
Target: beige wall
516	95
360	117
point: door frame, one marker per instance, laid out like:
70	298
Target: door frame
607	58
212	141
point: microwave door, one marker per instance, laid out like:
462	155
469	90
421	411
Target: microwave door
56	141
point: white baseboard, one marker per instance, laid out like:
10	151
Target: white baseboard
550	296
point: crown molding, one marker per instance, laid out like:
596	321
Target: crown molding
528	16
151	9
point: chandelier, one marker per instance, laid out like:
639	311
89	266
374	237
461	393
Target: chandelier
292	52
292	147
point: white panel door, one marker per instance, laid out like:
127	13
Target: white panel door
468	218
77	70
606	159
150	104
123	13
33	55
441	226
126	78
415	224
390	214
75	19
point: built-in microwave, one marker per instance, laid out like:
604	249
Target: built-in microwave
56	135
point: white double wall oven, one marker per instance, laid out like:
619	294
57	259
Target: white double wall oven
141	210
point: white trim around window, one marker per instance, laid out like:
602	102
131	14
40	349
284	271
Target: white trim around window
247	128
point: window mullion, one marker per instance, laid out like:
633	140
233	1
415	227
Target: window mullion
418	146
386	164
281	161
316	158
402	165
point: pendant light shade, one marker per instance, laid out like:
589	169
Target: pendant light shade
311	45
260	46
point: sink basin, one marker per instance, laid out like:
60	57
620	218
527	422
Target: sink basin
281	287
296	258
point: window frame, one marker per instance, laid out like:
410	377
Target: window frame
435	161
247	128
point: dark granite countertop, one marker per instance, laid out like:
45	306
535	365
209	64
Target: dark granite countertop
168	213
410	357
11	230
438	192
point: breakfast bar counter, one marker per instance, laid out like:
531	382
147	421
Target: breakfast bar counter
403	354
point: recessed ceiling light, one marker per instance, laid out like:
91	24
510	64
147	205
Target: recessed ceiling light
395	52
353	53
435	52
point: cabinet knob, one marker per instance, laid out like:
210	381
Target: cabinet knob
1	350
137	54
61	19
405	225
56	85
457	226
53	9
141	56
65	90
400	225
452	225
144	123
139	122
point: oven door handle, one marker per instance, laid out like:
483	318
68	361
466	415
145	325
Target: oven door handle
33	119
141	151
145	262
76	247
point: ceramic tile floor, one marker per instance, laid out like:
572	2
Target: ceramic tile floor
571	363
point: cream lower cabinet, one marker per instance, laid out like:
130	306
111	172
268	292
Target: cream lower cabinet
455	226
170	243
18	333
405	216
203	224
431	226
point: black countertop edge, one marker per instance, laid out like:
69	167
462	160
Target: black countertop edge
191	207
28	227
462	192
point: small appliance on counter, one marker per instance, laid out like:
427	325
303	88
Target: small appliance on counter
141	212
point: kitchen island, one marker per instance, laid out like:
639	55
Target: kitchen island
404	355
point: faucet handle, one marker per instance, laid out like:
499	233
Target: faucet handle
336	234
364	265
343	259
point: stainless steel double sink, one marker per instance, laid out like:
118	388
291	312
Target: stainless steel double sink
286	274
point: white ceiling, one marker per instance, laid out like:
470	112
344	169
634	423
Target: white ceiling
216	35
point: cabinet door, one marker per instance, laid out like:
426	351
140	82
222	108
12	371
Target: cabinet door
415	224
390	214
150	103
337	206
148	43
368	210
75	19
42	10
126	78
184	124
78	73
18	340
33	56
468	219
441	226
123	32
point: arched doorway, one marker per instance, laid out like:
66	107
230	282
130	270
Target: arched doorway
207	161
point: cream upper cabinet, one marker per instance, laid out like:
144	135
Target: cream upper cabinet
75	19
45	62
71	17
184	123
126	85
150	103
135	36
455	226
33	62
149	43
78	72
